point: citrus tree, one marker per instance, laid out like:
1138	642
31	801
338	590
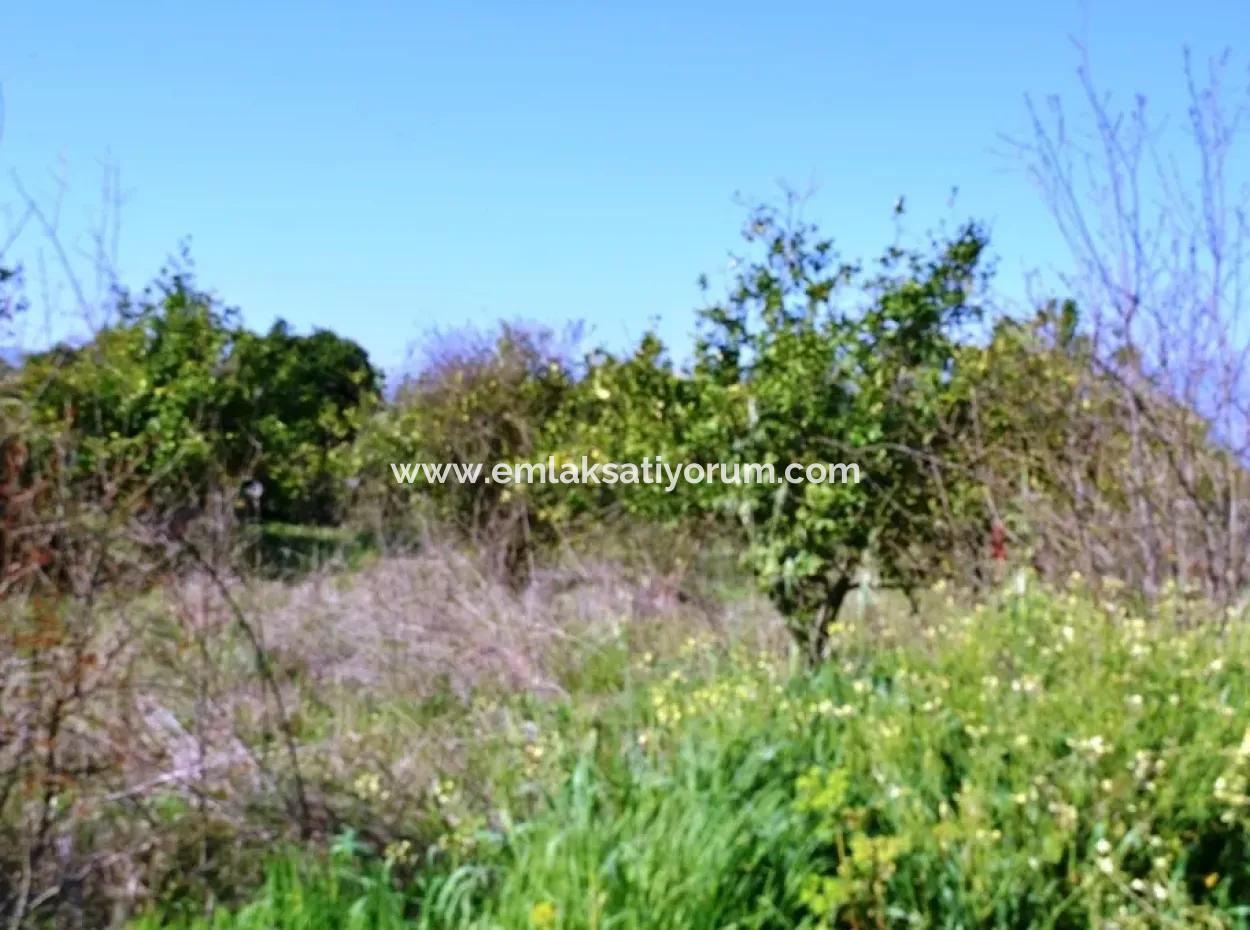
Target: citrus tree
814	360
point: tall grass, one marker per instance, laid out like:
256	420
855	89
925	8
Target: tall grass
302	893
1047	762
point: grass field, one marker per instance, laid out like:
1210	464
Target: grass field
1042	761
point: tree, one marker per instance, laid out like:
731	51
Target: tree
292	401
825	363
1160	245
181	398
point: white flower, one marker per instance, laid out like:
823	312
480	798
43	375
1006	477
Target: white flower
1106	866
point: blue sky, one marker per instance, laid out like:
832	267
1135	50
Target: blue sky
386	169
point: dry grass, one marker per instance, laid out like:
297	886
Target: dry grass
414	625
182	760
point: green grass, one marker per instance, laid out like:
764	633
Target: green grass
288	550
1043	763
302	893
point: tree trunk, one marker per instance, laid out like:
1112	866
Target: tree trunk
816	638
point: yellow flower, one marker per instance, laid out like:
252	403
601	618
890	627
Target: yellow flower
543	915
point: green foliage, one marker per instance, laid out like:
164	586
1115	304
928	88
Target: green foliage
1046	762
142	400
811	361
476	399
631	409
177	397
290	550
296	399
1071	453
345	891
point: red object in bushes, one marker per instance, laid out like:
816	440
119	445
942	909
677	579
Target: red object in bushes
998	543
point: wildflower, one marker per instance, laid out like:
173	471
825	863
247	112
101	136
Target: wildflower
543	915
398	851
1065	814
1106	866
367	785
1103	848
1159	891
1097	746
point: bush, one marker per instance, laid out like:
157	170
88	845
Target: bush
177	399
476	398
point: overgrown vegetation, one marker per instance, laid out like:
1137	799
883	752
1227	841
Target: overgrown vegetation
1042	762
248	678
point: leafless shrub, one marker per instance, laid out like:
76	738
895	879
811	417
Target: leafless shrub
117	743
1154	486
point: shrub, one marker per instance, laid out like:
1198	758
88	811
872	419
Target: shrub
177	399
476	398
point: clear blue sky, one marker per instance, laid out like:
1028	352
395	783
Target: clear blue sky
382	169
